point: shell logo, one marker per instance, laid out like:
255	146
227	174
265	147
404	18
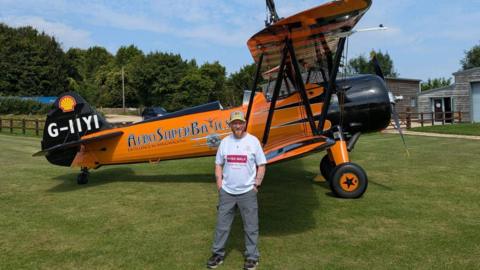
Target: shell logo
67	104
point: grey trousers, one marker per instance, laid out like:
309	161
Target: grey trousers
248	205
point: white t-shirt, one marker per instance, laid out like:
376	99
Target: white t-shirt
240	158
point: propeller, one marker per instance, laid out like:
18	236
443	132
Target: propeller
396	118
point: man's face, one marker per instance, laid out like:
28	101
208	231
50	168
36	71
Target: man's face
238	128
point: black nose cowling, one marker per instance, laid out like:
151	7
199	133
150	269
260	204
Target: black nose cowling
365	104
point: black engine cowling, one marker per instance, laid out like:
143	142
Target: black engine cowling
365	104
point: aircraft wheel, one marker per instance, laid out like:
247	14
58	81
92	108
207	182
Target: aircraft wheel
82	178
326	167
348	180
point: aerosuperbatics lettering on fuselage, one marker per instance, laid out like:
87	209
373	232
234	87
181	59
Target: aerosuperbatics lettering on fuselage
162	136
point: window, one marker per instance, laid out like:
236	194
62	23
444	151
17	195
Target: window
413	102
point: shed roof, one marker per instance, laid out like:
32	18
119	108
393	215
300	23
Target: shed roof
450	87
466	71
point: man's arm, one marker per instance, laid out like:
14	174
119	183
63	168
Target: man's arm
260	175
219	175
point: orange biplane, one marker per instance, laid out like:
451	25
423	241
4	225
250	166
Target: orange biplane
293	115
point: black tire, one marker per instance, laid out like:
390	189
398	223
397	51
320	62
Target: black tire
326	167
82	178
348	180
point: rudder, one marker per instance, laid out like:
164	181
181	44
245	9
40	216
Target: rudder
69	120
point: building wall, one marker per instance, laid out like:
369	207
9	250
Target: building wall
460	93
408	88
463	83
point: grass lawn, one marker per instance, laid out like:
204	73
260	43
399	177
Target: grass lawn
421	212
463	129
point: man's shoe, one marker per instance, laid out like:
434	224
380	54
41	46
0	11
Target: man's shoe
250	264
214	261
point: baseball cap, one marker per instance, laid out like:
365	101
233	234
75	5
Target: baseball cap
237	115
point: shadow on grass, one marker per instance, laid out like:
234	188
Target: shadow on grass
287	203
111	175
287	199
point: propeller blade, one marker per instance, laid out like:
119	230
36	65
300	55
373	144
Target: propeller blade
378	69
396	119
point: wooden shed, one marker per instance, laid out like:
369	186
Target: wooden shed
462	96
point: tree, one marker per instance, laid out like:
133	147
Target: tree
193	89
126	55
95	58
85	68
216	73
435	83
238	82
31	63
472	58
360	64
156	76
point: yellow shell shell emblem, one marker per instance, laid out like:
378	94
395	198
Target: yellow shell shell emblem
67	104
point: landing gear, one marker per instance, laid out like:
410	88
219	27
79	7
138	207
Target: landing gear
348	180
326	167
82	178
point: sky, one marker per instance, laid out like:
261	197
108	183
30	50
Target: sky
425	39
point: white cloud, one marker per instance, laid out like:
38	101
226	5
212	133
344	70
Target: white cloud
66	35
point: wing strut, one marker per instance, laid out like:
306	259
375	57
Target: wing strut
276	91
301	87
288	49
254	89
331	83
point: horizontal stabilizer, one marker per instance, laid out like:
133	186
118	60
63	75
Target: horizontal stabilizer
77	143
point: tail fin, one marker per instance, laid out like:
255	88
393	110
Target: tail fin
71	118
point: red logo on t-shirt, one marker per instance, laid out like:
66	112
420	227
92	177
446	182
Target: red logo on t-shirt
237	158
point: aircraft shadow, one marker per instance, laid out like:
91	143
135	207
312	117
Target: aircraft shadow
287	203
111	175
287	199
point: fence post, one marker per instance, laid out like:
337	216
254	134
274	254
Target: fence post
408	118
23	126
460	116
36	127
11	125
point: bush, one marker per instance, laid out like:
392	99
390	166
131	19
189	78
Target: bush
13	105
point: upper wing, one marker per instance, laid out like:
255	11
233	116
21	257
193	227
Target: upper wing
315	34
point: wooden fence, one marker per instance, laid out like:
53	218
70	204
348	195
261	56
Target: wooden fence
12	124
409	119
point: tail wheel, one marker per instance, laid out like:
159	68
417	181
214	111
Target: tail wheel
326	167
348	180
82	178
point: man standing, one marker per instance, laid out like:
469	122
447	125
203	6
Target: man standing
239	170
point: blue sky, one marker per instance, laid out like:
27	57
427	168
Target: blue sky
426	39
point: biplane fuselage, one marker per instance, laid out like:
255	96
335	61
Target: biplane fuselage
199	134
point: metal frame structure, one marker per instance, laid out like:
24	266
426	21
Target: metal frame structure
289	50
